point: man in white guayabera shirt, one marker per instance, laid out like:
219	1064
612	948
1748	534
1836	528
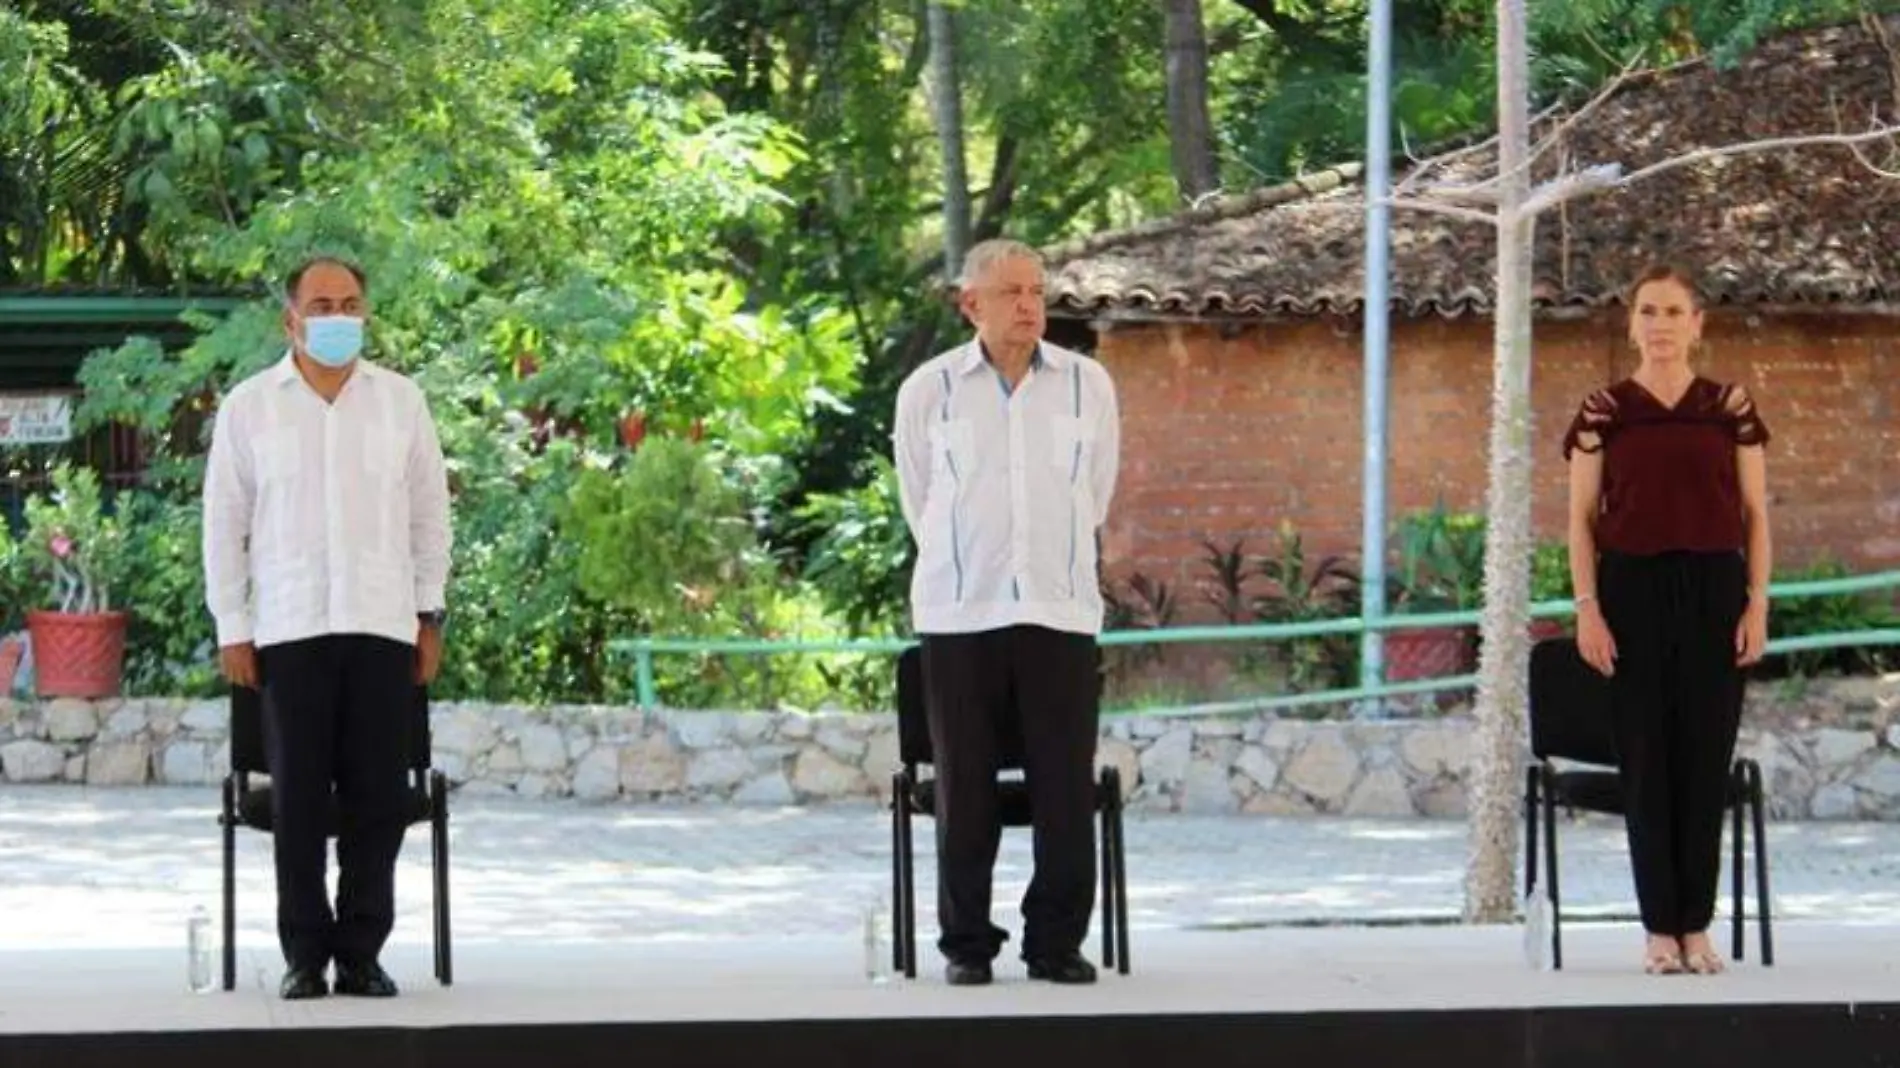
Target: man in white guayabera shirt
1007	449
326	549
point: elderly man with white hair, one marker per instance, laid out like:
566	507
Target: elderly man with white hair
1007	449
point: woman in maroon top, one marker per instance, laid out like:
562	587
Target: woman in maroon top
1670	558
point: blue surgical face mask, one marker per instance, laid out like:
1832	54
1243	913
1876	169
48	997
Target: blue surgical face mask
333	340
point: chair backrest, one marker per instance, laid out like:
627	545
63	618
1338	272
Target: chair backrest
913	724
247	731
1570	706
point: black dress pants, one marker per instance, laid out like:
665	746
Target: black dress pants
1677	703
336	727
980	690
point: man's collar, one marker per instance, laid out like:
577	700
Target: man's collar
976	357
285	372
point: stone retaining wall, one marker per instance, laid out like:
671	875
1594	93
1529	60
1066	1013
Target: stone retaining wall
1832	752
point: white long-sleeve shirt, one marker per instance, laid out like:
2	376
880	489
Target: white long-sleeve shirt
1004	490
324	518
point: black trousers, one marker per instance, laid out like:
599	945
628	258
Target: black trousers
1677	704
1027	690
336	721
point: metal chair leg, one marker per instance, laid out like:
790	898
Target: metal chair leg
228	818
1758	805
439	841
1122	962
1738	793
1550	867
897	872
1530	829
1104	807
906	850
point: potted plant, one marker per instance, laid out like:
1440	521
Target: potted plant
1550	581
77	552
1441	569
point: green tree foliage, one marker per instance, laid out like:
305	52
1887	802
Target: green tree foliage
691	219
1299	101
540	193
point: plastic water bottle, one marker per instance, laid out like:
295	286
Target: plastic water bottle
877	958
1537	930
198	949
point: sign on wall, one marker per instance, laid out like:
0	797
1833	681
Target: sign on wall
35	418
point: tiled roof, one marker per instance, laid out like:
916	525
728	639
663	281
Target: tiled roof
1798	226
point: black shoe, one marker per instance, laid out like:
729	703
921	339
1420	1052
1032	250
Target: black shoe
302	984
364	981
1069	970
968	973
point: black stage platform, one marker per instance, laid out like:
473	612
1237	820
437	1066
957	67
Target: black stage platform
1449	996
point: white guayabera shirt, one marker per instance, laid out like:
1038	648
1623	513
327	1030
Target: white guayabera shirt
324	518
1004	490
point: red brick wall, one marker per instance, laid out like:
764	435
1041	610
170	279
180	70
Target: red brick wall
1228	436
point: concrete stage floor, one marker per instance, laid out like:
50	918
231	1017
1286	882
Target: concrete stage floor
1275	971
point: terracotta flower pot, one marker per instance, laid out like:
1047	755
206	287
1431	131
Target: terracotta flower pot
633	429
1545	629
78	654
12	650
1431	653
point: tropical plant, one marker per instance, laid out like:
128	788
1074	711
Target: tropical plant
861	558
75	548
1441	561
1299	593
1147	604
1550	572
1226	590
663	535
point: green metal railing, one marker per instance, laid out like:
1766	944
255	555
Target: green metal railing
644	650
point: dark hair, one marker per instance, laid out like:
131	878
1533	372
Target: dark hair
1664	272
295	277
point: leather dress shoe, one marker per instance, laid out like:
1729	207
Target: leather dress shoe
364	981
968	973
302	984
1071	970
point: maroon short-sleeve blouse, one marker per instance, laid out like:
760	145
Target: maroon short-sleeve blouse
1669	477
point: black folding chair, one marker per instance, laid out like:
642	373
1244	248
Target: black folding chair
1570	721
249	805
913	793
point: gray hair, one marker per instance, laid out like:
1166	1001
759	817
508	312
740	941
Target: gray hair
986	254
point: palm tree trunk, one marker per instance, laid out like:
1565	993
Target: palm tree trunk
946	110
1190	131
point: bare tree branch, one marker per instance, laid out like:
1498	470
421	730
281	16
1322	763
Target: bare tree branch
1484	190
1416	174
1449	210
1460	193
1871	166
1570	186
1750	148
1422	167
1575	118
1876	168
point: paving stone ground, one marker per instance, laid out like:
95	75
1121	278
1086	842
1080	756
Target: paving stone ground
123	868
